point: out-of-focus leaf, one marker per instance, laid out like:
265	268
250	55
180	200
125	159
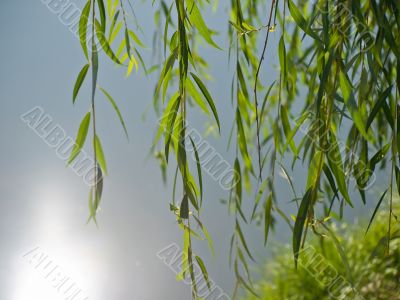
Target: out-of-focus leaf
299	224
349	100
336	165
378	156
378	105
197	21
204	271
136	39
342	253
376	210
118	112
267	218
300	21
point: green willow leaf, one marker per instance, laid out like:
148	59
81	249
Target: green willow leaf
196	96
206	235
242	81
208	97
243	241
378	156
314	170
329	176
335	163
184	208
247	286
238	180
95	69
292	133
378	105
127	43
79	81
81	138
299	224
185	254
342	253
98	188
92	212
100	154
105	45
243	261
376	210
83	23
198	169
102	11
242	141
324	80
136	39
113	23
197	22
118	112
282	57
266	98
147	72
204	271
168	66
286	127
267	218
260	193
300	21
114	34
287	177
349	100
170	117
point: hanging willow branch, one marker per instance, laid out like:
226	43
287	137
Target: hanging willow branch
99	41
334	112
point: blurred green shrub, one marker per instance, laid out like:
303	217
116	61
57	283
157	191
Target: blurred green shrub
338	263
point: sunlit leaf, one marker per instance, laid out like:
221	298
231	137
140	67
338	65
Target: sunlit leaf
100	154
81	138
83	24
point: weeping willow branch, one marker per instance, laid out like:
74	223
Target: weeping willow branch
339	62
256	85
94	61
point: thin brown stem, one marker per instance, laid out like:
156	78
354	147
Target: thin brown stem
255	90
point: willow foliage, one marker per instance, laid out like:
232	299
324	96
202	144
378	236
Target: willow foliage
333	108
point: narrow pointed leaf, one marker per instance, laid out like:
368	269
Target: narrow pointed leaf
79	81
83	24
81	138
105	45
203	270
376	210
100	154
267	218
208	97
118	112
299	224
